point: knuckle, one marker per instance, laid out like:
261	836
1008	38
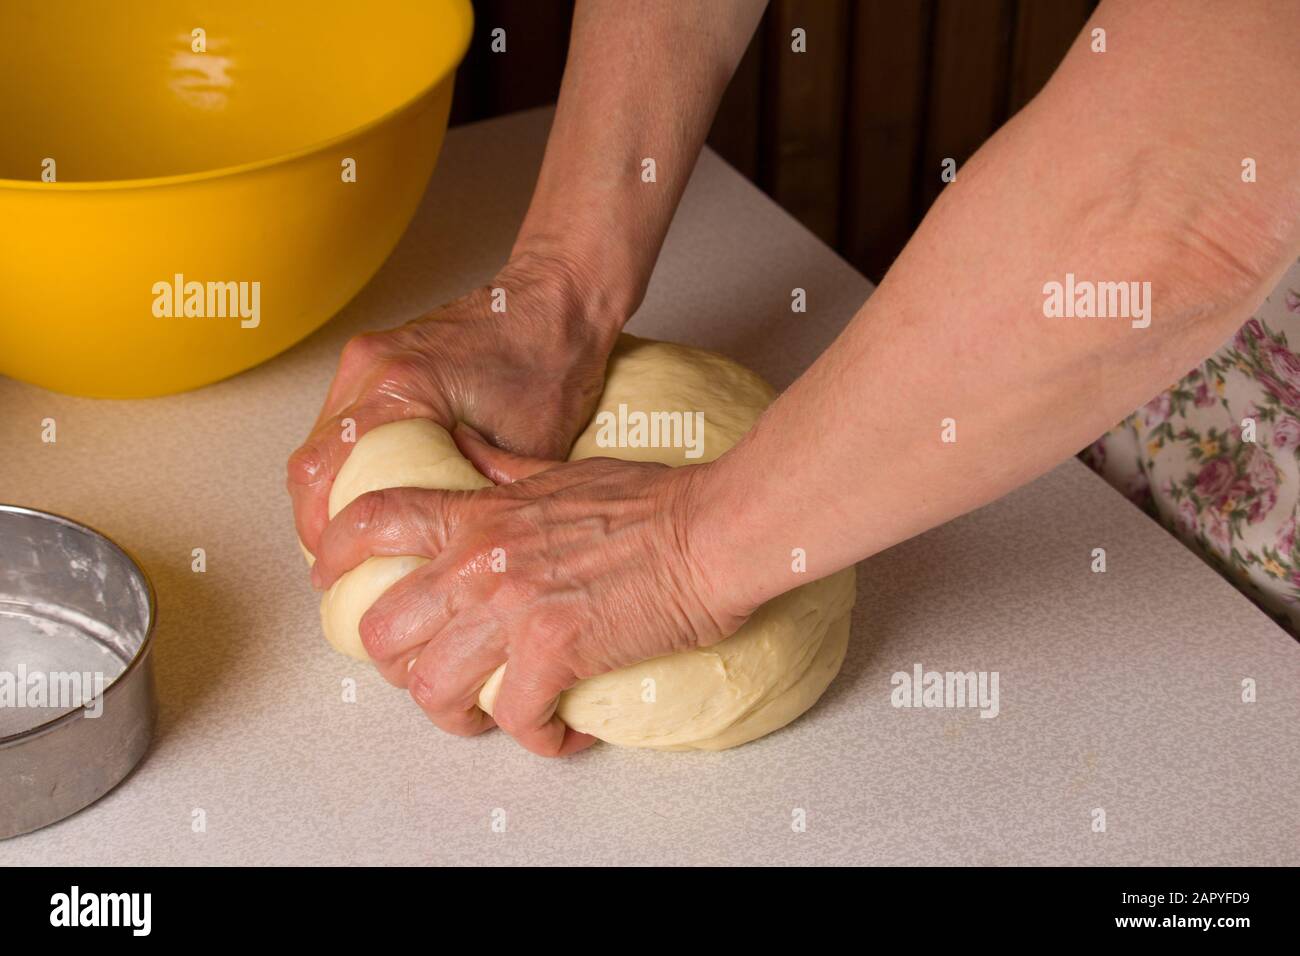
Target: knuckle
425	693
362	349
433	696
370	511
376	634
306	465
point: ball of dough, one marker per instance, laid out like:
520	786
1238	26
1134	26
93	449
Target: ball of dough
415	453
762	677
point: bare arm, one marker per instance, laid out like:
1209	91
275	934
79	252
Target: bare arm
642	81
1126	167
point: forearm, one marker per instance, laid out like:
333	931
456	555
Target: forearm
1121	171
643	81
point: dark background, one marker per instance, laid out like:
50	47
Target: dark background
847	137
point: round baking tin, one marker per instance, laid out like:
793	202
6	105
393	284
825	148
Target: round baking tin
77	705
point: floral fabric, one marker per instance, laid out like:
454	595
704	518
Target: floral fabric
1216	458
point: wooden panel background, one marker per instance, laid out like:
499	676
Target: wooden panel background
849	136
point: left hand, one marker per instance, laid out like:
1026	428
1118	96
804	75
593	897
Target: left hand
598	576
529	378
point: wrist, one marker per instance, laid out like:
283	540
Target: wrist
706	534
552	314
599	298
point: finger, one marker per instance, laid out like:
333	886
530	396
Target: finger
525	708
411	613
389	521
449	673
315	464
498	465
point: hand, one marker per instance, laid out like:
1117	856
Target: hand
528	378
598	575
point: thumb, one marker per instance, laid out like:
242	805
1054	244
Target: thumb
500	466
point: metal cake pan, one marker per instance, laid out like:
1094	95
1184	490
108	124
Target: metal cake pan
77	705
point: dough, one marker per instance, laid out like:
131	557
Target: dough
754	682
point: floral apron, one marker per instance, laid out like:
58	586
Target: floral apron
1215	457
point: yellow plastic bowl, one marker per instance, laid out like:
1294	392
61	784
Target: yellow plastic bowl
204	146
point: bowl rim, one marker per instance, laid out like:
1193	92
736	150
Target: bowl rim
142	653
466	22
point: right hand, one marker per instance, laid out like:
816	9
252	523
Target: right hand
527	379
601	575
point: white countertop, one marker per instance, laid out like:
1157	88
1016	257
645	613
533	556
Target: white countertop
1119	691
